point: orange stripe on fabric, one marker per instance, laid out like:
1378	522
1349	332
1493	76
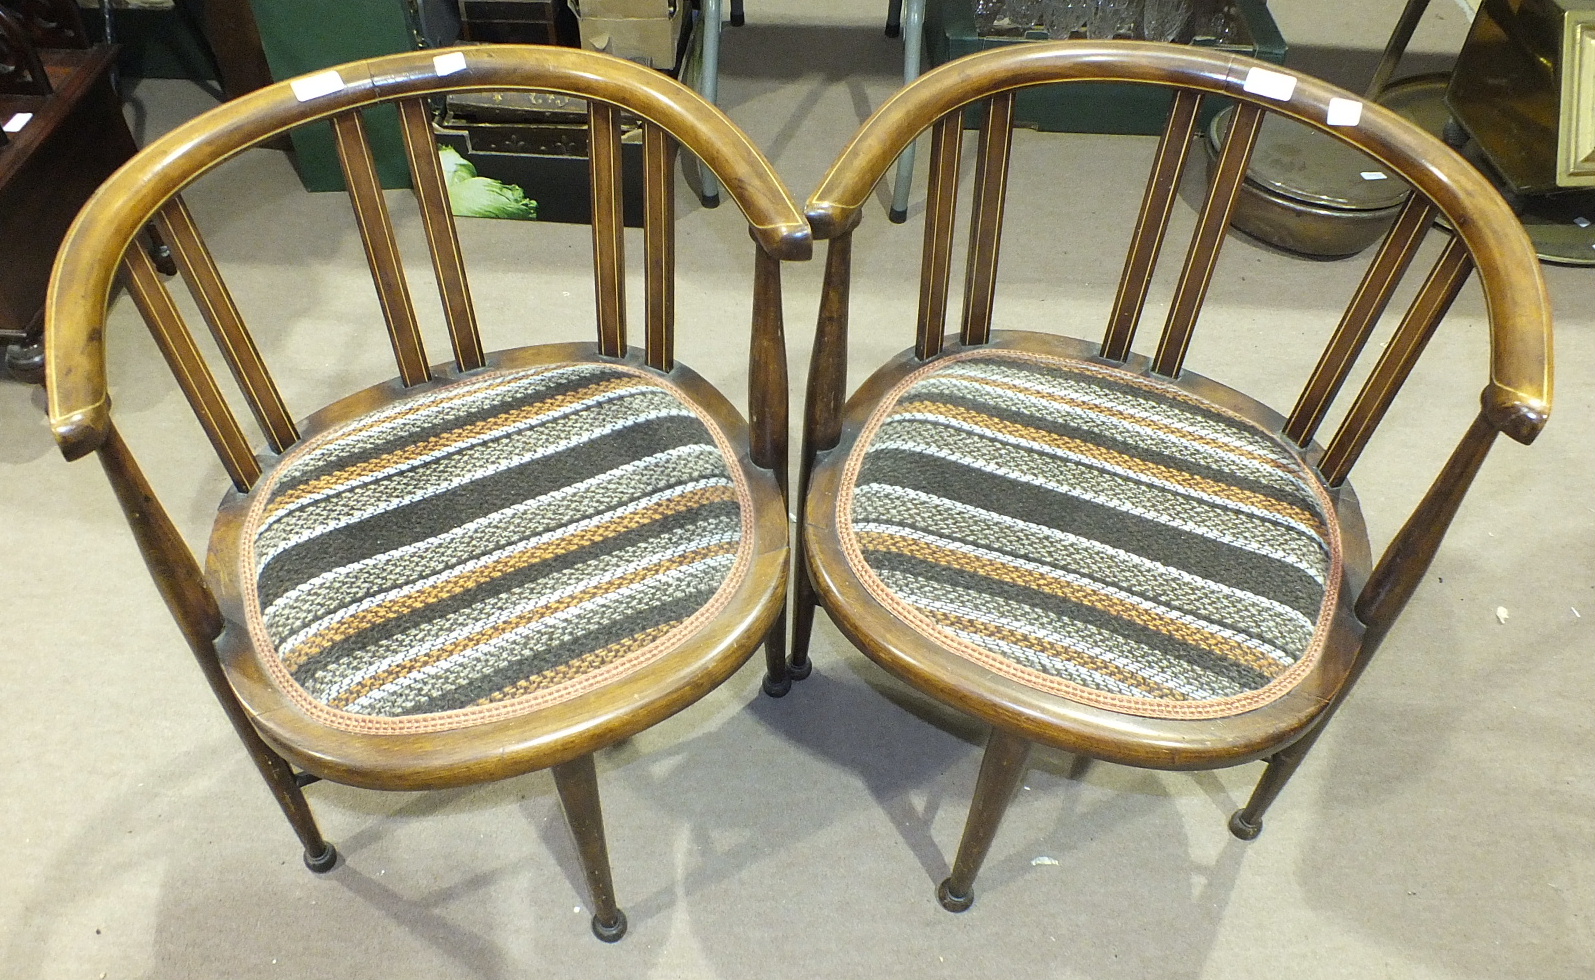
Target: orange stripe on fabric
1119	460
1140	421
440	442
454	585
1059	651
1084	595
585	664
441	653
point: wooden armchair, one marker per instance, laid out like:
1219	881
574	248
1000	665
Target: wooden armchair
480	568
1097	549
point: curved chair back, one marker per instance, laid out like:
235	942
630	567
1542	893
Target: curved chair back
148	190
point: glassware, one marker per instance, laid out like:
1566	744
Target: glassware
1023	14
1162	20
1109	18
1062	18
986	14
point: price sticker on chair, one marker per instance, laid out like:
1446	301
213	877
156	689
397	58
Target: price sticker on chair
16	122
1270	84
448	64
317	85
1344	112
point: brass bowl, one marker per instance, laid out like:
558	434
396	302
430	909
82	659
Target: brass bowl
1304	191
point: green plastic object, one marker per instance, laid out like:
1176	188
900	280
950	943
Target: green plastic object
1089	107
302	36
474	196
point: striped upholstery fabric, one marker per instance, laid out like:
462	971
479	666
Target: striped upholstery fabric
1092	534
492	546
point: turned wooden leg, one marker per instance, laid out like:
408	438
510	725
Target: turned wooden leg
1247	822
804	602
577	781
777	681
182	585
1000	771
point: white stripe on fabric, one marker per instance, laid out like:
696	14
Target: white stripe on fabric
467	568
1256	644
1310	564
664	585
511	520
1259	612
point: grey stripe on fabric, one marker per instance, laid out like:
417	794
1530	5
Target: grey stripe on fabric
500	537
1095	528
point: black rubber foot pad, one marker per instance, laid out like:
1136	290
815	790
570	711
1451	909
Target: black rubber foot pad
610	934
26	362
1240	828
898	217
323	862
799	672
775	688
951	902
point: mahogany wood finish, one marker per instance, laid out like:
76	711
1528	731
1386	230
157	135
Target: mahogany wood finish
1001	769
822	426
609	242
941	204
290	747
1228	174
1516	400
1156	207
659	218
443	240
188	366
985	223
1362	314
204	280
382	248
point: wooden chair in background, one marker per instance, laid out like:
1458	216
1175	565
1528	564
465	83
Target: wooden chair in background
1099	550
67	135
477	569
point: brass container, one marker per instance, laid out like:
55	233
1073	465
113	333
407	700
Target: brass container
1309	193
1524	89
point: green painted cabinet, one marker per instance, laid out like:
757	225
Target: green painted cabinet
308	35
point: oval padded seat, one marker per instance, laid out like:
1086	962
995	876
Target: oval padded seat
1092	533
499	544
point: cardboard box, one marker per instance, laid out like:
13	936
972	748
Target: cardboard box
644	31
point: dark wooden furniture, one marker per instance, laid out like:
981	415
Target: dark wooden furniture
1096	447
564	707
48	168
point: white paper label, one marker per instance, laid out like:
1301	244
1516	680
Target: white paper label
448	64
1344	112
1375	175
16	122
317	85
1270	84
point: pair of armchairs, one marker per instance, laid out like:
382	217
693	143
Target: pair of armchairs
506	562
